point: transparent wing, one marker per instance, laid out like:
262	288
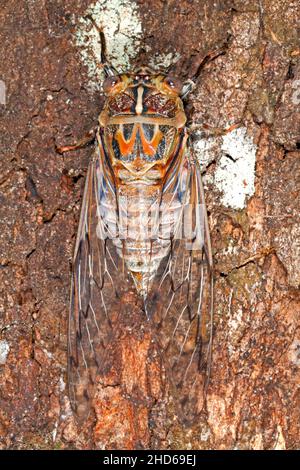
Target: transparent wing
181	299
99	281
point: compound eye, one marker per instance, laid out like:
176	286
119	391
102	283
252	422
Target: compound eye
109	83
173	83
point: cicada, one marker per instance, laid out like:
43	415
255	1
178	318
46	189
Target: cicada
143	228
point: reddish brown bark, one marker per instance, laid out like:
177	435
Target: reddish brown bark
253	398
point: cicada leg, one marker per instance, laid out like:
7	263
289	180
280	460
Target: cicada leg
190	84
87	139
211	131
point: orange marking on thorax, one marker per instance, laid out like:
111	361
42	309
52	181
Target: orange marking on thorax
149	147
126	146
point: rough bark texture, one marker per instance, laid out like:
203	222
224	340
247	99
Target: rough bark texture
253	400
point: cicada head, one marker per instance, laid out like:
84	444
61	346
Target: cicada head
142	123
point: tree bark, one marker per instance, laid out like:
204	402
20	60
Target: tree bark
51	98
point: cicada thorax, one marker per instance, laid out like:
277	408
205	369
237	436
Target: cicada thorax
142	136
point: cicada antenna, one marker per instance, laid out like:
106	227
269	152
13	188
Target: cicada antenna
108	69
209	57
190	84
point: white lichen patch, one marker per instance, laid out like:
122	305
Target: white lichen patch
122	27
2	92
163	61
205	149
294	352
4	350
235	171
235	321
62	384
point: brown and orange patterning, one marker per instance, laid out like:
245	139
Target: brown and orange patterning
143	228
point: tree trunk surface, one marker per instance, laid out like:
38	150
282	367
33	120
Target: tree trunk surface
49	96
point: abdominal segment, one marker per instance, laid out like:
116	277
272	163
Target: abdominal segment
142	231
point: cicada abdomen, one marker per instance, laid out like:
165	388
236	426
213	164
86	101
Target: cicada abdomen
143	226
